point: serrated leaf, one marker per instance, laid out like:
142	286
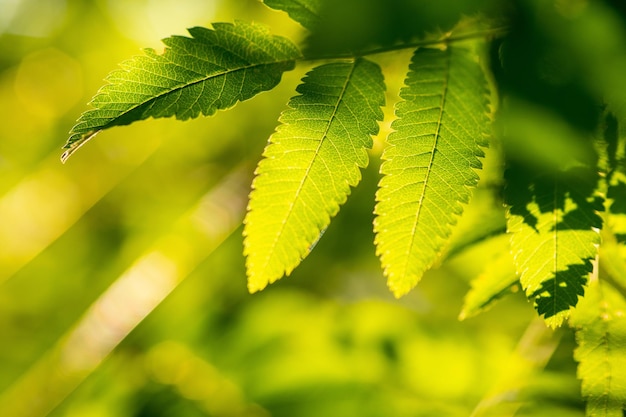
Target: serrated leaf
497	279
309	165
305	12
430	164
209	71
600	323
553	222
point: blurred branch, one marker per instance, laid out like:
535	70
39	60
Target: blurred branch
531	355
132	297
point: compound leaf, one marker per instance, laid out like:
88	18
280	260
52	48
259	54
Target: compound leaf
601	336
309	165
430	164
553	222
211	70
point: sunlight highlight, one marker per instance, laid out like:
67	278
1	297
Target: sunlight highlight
128	301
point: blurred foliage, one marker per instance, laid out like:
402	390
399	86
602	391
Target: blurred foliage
122	285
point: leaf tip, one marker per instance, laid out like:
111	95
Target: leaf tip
256	284
398	290
73	145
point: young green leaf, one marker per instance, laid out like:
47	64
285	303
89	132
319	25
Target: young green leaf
312	160
211	70
600	323
553	222
430	164
305	12
497	279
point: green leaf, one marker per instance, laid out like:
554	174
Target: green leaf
497	279
211	70
601	336
305	12
312	160
430	164
553	222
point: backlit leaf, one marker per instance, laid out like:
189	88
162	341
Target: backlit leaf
211	70
554	225
600	323
497	279
430	164
309	166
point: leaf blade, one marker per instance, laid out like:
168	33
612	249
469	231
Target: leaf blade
429	166
553	223
310	164
496	280
211	70
600	335
305	12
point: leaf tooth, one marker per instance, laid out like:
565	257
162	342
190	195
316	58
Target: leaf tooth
209	71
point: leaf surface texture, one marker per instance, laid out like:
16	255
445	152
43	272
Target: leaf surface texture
309	165
430	163
211	70
553	222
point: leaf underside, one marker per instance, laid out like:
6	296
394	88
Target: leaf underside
309	165
211	70
553	223
430	165
601	336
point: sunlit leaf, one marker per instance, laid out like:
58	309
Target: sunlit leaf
600	323
211	70
430	164
309	166
497	279
554	225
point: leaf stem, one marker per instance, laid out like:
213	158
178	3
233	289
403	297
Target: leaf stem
446	39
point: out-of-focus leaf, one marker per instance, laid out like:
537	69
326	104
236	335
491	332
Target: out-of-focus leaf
497	279
601	336
305	12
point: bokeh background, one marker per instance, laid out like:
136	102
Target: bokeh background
122	284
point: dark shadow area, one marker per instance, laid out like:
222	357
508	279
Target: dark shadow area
355	25
558	294
571	195
533	63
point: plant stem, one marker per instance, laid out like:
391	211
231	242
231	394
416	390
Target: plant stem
446	39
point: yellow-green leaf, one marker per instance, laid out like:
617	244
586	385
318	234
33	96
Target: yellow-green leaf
430	163
553	222
600	322
309	166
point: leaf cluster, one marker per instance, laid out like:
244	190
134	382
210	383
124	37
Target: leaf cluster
539	82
